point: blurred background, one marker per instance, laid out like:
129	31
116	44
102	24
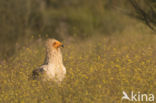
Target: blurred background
109	48
25	20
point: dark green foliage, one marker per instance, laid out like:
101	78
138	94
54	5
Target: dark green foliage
144	11
22	19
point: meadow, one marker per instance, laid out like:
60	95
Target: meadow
98	70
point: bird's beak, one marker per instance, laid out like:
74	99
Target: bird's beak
58	44
62	46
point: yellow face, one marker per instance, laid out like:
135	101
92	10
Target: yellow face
57	44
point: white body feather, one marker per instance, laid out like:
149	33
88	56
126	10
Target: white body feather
53	66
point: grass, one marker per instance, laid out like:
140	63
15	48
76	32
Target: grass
55	18
98	70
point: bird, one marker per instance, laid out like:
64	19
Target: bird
53	68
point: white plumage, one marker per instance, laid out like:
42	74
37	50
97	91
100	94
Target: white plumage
53	67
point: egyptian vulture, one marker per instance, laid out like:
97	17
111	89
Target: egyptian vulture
53	68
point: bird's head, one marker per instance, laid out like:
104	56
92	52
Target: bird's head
54	43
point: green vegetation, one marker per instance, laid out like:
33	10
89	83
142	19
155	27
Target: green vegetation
144	11
98	70
22	20
105	51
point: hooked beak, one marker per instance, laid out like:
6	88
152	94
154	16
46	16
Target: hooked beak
58	44
62	46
